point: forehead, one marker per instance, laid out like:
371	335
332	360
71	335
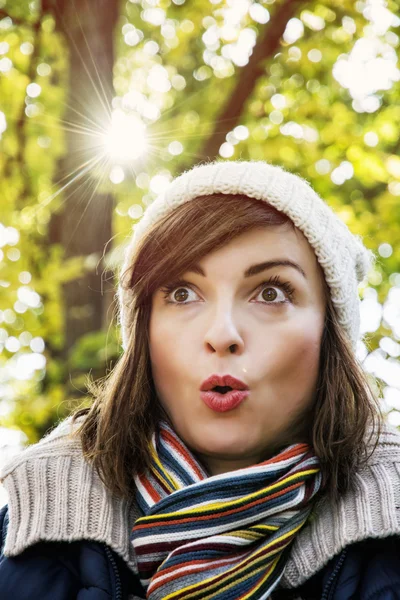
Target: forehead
261	244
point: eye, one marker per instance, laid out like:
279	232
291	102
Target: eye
179	290
272	295
269	291
274	291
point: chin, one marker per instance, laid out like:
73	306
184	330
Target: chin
227	447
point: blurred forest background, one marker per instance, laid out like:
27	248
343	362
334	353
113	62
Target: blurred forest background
102	102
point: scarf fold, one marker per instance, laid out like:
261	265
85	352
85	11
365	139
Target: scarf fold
224	536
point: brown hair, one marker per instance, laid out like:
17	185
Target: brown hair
118	427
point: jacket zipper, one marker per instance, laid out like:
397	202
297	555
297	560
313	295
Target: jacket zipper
118	586
330	587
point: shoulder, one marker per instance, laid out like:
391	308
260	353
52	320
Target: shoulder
36	480
55	571
369	510
47	478
63	570
59	442
377	563
367	570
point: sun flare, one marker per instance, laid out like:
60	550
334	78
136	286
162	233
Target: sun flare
125	139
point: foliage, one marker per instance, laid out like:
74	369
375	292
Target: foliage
177	66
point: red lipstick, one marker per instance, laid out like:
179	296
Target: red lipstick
223	392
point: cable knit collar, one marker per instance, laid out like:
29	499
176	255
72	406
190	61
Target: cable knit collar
54	495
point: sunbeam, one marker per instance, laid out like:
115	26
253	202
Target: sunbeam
125	140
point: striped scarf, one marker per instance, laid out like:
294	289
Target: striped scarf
223	536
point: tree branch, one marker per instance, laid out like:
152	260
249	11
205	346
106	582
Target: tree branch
266	46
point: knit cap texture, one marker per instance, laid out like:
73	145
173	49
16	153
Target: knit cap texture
342	255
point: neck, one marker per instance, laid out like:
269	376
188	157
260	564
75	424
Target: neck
218	466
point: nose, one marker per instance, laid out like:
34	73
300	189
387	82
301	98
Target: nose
223	336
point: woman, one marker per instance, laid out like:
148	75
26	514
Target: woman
236	449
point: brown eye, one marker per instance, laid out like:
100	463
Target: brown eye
180	294
269	294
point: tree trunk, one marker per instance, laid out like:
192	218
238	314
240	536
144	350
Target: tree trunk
83	226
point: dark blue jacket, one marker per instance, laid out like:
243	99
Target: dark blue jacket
86	570
82	570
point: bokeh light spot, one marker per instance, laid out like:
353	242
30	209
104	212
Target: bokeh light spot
33	90
117	174
226	150
385	250
371	139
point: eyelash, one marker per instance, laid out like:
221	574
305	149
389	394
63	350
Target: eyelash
272	281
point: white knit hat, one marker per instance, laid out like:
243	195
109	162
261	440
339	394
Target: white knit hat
342	255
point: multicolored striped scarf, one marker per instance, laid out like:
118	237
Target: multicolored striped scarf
225	536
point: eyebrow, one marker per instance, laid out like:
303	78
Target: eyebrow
258	268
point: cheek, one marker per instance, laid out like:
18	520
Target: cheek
305	346
159	342
167	351
294	357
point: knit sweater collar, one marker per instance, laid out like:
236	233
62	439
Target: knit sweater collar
54	495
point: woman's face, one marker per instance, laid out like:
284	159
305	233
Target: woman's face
229	322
